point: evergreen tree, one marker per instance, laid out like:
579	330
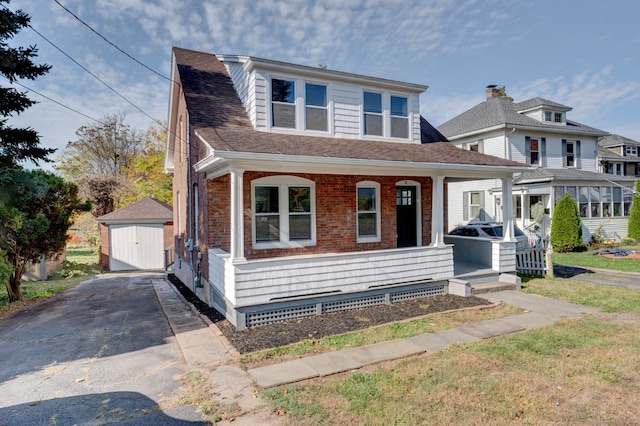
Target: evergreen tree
566	226
17	144
633	230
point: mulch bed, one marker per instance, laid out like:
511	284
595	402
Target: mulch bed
281	334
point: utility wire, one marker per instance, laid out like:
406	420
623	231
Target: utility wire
112	44
55	102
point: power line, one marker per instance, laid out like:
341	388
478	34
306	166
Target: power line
55	102
112	44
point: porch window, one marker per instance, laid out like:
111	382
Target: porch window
617	201
372	114
316	107
583	201
283	212
399	117
595	201
368	207
283	108
606	201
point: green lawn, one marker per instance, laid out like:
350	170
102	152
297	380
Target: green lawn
81	264
588	259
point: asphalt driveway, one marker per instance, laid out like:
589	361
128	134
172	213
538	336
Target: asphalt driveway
629	280
102	352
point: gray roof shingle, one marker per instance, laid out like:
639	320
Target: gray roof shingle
543	174
500	112
146	209
217	114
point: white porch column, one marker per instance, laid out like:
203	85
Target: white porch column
237	216
437	211
507	209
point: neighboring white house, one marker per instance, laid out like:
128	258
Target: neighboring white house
564	154
618	155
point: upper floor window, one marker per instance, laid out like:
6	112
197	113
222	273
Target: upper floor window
283	108
283	212
631	150
615	169
368	206
557	117
535	151
547	116
316	111
399	117
372	114
570	153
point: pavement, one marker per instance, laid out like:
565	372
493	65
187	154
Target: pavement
113	349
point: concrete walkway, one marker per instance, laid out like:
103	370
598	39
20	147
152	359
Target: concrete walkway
542	311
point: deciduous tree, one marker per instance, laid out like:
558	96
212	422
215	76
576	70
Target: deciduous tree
37	222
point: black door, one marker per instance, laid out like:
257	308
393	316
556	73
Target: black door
406	216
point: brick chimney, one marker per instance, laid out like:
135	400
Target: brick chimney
492	91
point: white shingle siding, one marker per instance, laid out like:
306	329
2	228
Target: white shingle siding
261	82
346	110
245	87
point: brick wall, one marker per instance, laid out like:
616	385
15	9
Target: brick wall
335	214
104	247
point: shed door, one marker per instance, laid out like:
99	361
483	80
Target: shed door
136	247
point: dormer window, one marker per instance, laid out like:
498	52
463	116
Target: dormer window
316	113
631	151
554	117
399	117
372	114
283	107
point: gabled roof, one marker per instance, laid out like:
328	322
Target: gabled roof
543	174
218	117
616	140
146	210
497	113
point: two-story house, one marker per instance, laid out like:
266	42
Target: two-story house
564	157
302	190
618	155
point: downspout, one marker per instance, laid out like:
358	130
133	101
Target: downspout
507	145
190	241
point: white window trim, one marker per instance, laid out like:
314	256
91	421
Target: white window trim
283	183
300	106
376	238
386	115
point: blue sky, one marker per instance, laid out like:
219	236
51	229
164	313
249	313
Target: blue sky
581	53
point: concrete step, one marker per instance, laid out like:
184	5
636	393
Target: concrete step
491	287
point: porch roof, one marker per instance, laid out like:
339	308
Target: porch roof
217	115
543	174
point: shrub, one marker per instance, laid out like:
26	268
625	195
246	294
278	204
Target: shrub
633	231
566	226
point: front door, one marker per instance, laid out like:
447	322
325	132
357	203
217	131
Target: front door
406	216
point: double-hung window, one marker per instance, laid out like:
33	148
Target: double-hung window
316	111
547	116
372	114
368	207
283	103
283	212
570	153
399	117
534	152
557	117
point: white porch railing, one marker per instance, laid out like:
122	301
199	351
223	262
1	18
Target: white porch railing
267	280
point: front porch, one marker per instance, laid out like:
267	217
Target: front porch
260	291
